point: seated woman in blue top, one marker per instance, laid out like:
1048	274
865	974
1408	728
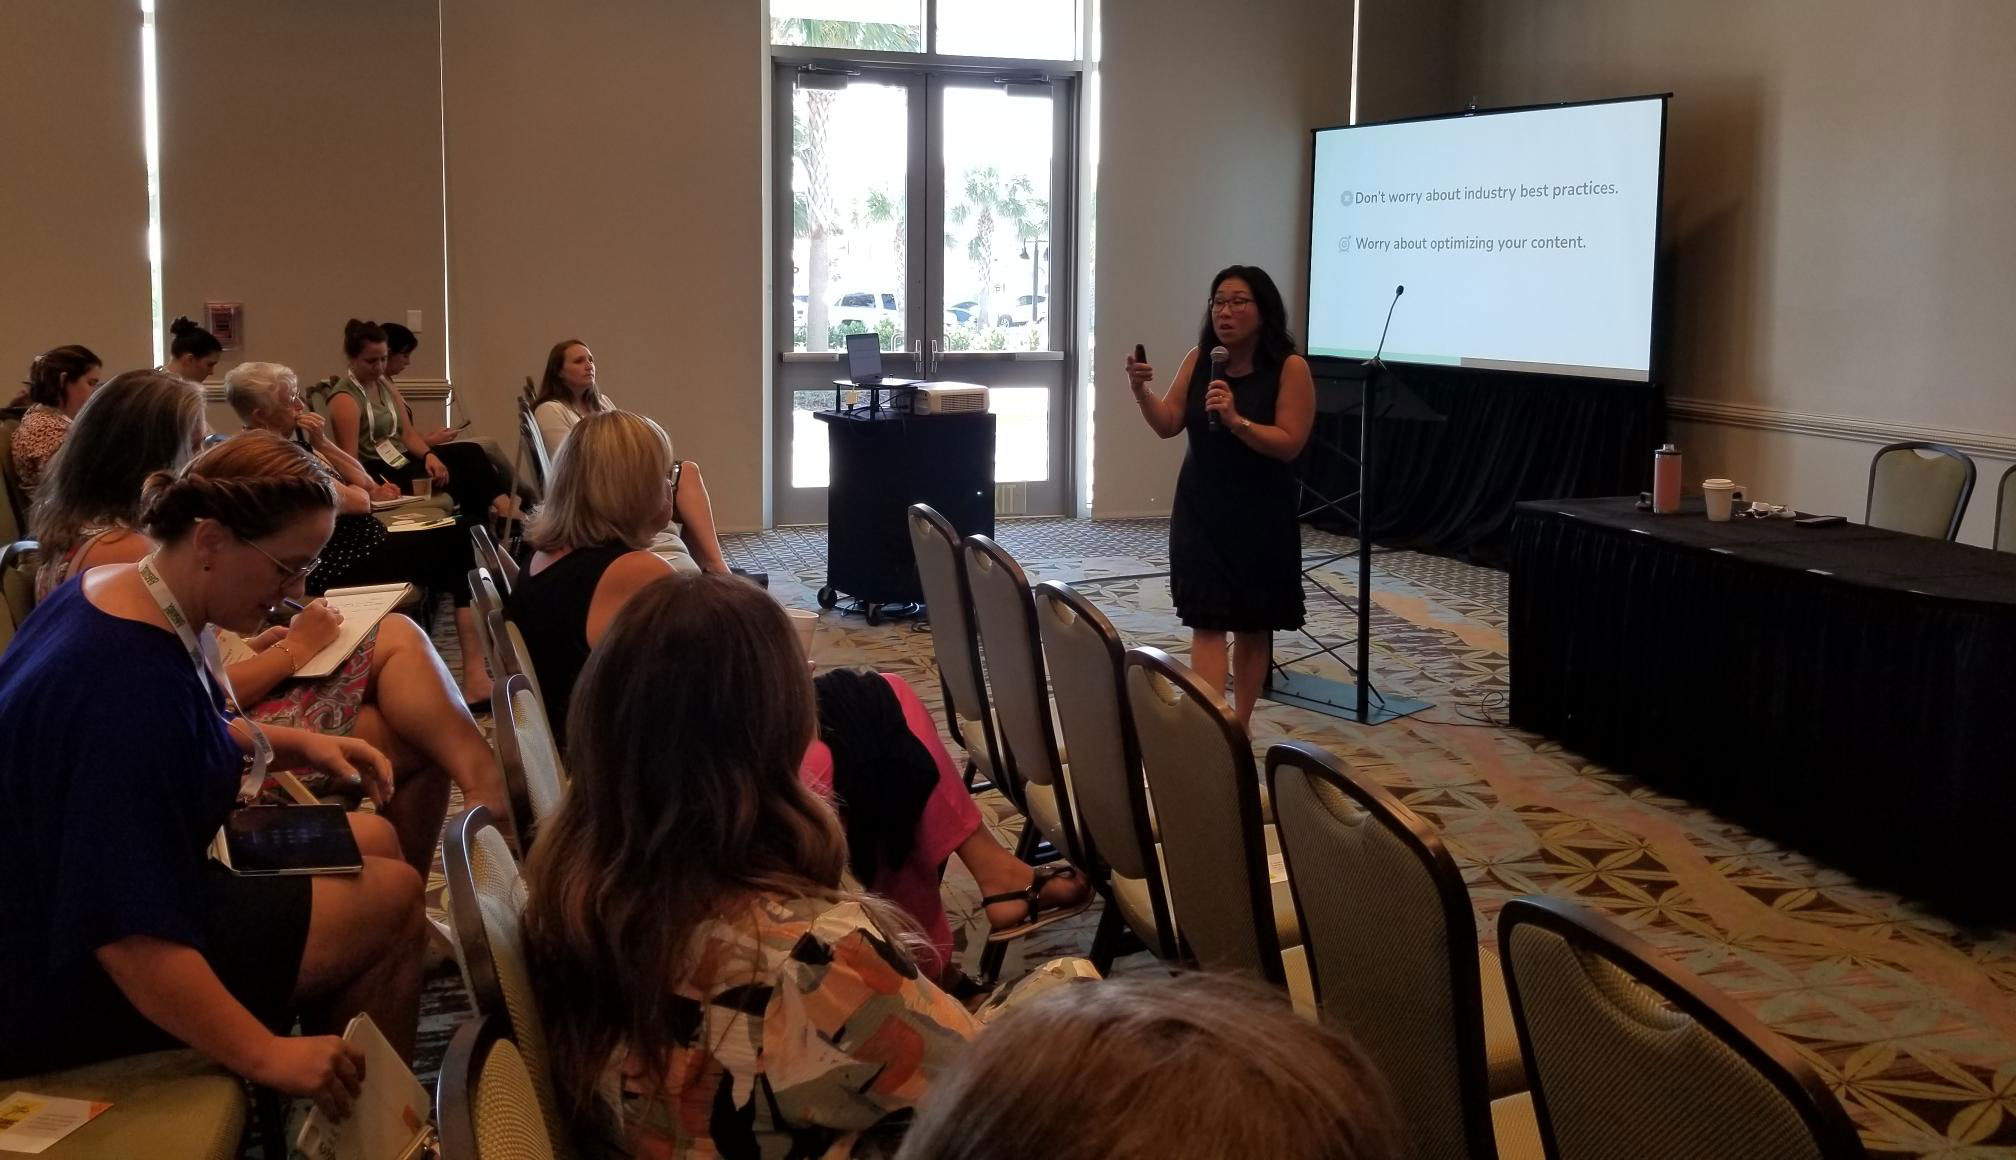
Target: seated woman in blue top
120	756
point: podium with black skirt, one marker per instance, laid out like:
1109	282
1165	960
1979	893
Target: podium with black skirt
881	462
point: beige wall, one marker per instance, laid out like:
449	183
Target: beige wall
73	185
606	181
1205	113
1409	58
1842	253
301	172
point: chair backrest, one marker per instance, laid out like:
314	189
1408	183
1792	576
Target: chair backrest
1391	943
14	512
485	1106
485	601
503	569
533	445
1199	767
485	900
1087	671
2005	512
1920	488
1632	1056
1011	655
18	562
942	576
513	658
532	772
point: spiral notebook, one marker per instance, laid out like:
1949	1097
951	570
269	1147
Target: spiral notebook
391	1119
362	609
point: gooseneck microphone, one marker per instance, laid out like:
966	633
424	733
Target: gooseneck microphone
1219	355
1397	292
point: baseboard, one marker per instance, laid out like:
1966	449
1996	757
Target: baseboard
1853	428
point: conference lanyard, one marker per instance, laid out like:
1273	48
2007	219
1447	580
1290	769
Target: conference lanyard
387	449
202	647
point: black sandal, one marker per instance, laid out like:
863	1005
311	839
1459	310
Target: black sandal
1036	918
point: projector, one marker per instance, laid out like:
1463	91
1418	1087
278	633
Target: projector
949	399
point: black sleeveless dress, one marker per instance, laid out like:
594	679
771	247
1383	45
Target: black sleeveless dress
1235	546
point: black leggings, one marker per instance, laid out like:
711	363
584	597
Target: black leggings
437	559
472	479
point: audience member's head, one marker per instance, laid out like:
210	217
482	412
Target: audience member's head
255	511
570	376
609	485
266	396
139	423
63	378
192	351
400	343
365	345
1152	1067
684	806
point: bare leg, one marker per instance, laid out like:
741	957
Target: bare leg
695	513
998	872
475	677
1207	658
365	937
420	798
419	704
1252	653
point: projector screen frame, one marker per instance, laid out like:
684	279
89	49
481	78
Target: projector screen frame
1342	367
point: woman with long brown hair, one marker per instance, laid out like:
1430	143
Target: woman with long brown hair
691	933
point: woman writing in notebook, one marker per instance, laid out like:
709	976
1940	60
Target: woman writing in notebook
122	937
392	691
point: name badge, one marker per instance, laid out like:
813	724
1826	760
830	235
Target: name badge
390	453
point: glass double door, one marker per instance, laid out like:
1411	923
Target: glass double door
920	207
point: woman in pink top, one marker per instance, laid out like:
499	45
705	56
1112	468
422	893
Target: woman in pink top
906	811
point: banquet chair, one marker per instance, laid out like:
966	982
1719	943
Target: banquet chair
1394	960
17	584
1088	672
503	569
1236	913
532	772
484	601
942	576
2005	513
532	448
1920	488
1630	1055
513	658
486	899
485	1104
170	1105
1011	657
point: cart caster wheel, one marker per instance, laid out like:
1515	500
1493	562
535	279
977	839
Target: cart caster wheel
874	614
828	597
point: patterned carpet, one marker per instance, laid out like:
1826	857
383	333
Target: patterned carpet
1912	1021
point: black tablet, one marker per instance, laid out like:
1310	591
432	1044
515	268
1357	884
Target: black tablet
266	840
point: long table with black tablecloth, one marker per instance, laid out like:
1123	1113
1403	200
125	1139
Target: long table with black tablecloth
1846	691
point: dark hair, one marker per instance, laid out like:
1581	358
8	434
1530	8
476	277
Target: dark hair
550	385
1143	1067
358	334
53	371
191	340
882	775
685	807
398	339
1274	345
139	423
254	484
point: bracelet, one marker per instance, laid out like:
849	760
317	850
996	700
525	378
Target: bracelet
293	662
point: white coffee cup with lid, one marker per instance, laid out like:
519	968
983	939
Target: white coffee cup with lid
1721	496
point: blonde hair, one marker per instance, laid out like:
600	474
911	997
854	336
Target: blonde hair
1199	1065
252	387
608	484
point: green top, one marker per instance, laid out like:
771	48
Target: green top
377	420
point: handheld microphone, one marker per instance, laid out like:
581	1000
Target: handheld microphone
1398	291
1219	355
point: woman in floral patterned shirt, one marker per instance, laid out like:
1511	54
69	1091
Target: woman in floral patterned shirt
58	383
698	954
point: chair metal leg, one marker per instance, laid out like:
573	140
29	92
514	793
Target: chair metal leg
1105	940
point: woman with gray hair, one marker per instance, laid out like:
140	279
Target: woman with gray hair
267	397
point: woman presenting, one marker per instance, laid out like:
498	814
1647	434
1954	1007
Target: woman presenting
1235	545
